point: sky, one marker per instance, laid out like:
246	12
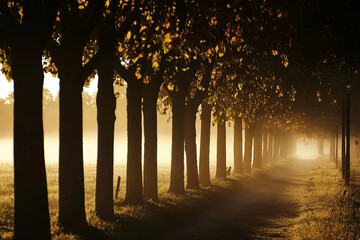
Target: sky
50	83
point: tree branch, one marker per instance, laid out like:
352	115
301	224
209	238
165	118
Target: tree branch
90	18
9	28
90	66
126	25
200	94
125	73
55	53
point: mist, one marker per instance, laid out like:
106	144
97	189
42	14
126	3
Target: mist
51	133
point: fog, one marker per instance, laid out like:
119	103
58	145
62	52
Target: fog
51	135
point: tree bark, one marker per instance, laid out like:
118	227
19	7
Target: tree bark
204	168
190	147
106	105
238	146
150	145
133	168
258	145
31	215
249	132
221	150
177	147
71	172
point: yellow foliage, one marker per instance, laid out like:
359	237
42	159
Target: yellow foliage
120	48
128	36
155	64
167	25
167	38
170	86
137	75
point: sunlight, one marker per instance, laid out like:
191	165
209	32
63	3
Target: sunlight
51	83
5	86
306	148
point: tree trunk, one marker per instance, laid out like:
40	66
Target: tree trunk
177	147
221	150
150	144
284	147
258	145
31	215
347	162
190	147
238	146
265	146
270	154
133	168
332	145
106	105
321	146
248	149
276	146
336	145
204	168
343	135
71	170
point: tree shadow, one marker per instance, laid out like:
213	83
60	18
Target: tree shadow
92	233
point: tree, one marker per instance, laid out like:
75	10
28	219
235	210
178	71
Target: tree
106	105
24	30
204	170
221	150
75	25
191	109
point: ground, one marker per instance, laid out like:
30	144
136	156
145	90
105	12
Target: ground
272	204
292	199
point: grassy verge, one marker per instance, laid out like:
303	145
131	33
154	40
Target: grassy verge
329	210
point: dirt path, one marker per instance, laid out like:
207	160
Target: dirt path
264	208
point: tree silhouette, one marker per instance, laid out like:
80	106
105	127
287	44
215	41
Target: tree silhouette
74	28
25	29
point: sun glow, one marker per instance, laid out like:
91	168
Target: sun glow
5	86
306	148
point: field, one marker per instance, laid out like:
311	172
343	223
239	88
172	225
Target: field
168	205
296	199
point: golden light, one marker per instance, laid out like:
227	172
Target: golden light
306	148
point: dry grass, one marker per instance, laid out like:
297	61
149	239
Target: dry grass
329	210
132	222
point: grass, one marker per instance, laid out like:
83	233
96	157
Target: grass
132	222
329	210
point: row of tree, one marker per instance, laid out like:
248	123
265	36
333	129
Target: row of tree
230	57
